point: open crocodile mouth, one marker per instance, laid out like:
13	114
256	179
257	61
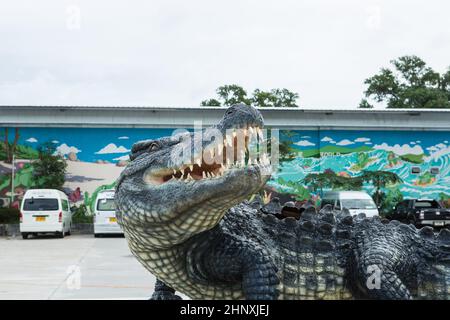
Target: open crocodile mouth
214	162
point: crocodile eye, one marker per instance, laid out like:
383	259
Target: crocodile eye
153	146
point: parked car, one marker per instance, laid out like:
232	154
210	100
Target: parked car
355	201
421	212
105	221
45	211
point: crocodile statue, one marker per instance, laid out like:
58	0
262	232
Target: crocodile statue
191	225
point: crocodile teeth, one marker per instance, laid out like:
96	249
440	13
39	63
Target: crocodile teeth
189	177
199	162
191	167
204	174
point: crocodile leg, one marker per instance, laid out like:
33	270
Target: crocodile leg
231	260
259	280
164	292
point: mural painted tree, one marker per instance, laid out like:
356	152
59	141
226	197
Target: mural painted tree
380	179
50	168
9	149
329	179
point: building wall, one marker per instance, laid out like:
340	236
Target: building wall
96	157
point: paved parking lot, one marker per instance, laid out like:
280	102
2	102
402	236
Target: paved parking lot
76	267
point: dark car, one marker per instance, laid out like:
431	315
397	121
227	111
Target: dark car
421	212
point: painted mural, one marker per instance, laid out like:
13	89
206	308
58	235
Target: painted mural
96	156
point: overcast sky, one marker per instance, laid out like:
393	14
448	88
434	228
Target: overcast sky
176	53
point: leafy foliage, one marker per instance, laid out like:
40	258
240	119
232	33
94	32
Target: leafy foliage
49	168
388	200
412	84
380	179
228	95
9	215
330	180
81	215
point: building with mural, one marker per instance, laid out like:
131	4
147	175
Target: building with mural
96	141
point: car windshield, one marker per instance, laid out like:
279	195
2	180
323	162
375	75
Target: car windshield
427	204
35	204
358	204
105	205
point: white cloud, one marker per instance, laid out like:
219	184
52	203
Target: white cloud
432	148
65	149
55	141
368	143
123	138
32	140
112	148
344	142
418	141
326	139
362	139
125	158
305	143
412	142
332	142
446	141
305	137
400	150
441	145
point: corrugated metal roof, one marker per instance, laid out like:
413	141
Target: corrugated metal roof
174	108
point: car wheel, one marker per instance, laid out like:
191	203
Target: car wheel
97	235
24	236
69	232
60	234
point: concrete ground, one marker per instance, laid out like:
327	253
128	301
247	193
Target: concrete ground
76	267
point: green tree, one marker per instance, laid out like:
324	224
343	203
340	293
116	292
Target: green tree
7	149
210	103
49	169
364	104
274	98
379	179
228	95
411	84
232	94
329	179
390	199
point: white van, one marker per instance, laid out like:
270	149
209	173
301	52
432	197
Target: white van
355	201
105	221
45	211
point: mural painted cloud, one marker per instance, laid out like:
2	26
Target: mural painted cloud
97	156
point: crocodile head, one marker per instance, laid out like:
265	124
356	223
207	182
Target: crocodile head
178	186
